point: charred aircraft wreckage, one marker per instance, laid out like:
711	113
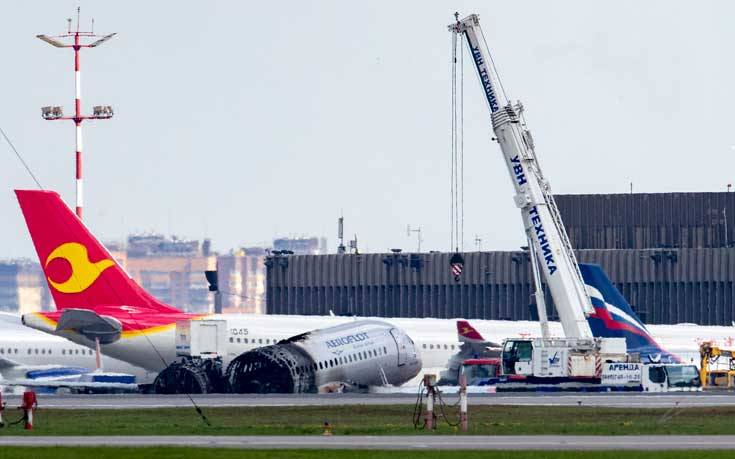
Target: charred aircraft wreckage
347	357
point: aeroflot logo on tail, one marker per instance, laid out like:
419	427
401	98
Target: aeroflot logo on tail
83	271
357	337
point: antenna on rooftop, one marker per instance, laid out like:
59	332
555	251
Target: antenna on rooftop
416	230
341	235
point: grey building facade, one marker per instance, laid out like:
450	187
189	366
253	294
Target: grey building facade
669	254
649	220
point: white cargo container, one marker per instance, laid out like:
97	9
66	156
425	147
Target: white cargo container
204	338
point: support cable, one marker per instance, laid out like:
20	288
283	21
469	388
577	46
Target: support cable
442	405
20	158
418	407
457	146
495	70
535	166
461	140
453	131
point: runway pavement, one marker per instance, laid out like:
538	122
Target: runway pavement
412	442
697	399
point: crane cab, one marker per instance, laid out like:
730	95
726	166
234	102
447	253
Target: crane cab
516	357
670	378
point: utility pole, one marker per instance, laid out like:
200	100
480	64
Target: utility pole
77	40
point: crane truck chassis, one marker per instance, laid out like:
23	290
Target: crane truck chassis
585	365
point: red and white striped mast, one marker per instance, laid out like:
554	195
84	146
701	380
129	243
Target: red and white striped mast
80	40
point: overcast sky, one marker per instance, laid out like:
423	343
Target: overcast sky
242	121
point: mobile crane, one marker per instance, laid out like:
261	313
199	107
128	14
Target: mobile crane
551	252
578	354
579	357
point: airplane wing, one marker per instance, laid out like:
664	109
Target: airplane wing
73	378
74	385
10	319
6	363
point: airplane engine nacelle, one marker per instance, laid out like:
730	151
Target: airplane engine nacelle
271	369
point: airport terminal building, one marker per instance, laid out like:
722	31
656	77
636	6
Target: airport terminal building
670	254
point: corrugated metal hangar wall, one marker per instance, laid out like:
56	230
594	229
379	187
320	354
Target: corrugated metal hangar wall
642	221
664	278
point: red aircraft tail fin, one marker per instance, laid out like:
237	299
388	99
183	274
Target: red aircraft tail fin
467	332
80	271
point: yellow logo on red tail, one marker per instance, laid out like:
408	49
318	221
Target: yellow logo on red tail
83	271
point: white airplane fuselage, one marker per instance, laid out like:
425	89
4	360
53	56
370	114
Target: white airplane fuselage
435	339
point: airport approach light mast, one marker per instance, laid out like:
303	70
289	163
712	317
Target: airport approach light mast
77	40
551	252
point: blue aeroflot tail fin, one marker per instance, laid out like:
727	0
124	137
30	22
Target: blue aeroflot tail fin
614	318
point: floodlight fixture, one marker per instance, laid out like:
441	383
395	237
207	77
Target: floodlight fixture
77	40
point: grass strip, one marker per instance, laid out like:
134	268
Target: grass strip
379	420
224	453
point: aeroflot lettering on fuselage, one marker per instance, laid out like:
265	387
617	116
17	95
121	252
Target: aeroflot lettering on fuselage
542	241
356	338
485	78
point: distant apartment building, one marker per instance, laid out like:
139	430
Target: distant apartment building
241	276
23	288
171	269
301	245
117	250
155	245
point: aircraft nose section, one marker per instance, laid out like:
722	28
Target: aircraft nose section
415	364
419	363
414	367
